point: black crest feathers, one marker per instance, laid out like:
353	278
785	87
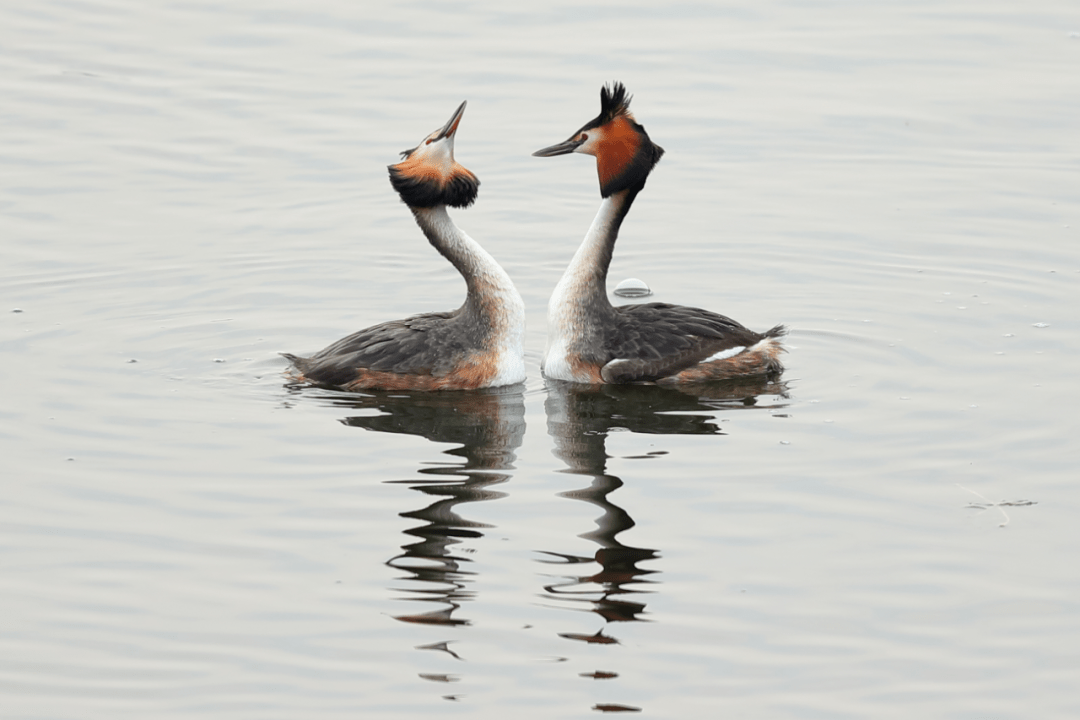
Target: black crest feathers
614	101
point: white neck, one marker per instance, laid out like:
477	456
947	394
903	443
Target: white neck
491	295
586	277
472	261
580	299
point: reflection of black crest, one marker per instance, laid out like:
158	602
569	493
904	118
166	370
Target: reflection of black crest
459	190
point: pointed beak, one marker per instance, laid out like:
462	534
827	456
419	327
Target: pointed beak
451	126
562	148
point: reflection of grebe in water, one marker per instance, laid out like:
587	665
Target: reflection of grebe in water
591	341
487	427
579	420
479	345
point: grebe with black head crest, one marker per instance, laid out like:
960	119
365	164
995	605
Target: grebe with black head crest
479	345
592	341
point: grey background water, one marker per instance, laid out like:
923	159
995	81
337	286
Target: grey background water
188	188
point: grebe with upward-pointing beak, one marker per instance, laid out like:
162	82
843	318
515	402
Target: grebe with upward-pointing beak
479	345
592	341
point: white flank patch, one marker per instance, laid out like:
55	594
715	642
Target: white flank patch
510	347
511	354
511	370
724	354
556	364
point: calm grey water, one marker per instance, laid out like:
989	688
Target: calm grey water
187	189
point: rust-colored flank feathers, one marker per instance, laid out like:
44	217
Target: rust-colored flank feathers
469	374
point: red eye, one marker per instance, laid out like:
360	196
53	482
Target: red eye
427	142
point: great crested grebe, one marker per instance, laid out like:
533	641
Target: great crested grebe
591	341
479	345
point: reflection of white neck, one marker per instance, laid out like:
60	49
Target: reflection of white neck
491	300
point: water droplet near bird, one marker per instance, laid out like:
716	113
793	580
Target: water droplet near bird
632	288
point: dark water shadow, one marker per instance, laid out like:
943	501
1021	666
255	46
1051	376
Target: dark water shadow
579	419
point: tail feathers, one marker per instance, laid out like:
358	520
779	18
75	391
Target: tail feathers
776	331
298	362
